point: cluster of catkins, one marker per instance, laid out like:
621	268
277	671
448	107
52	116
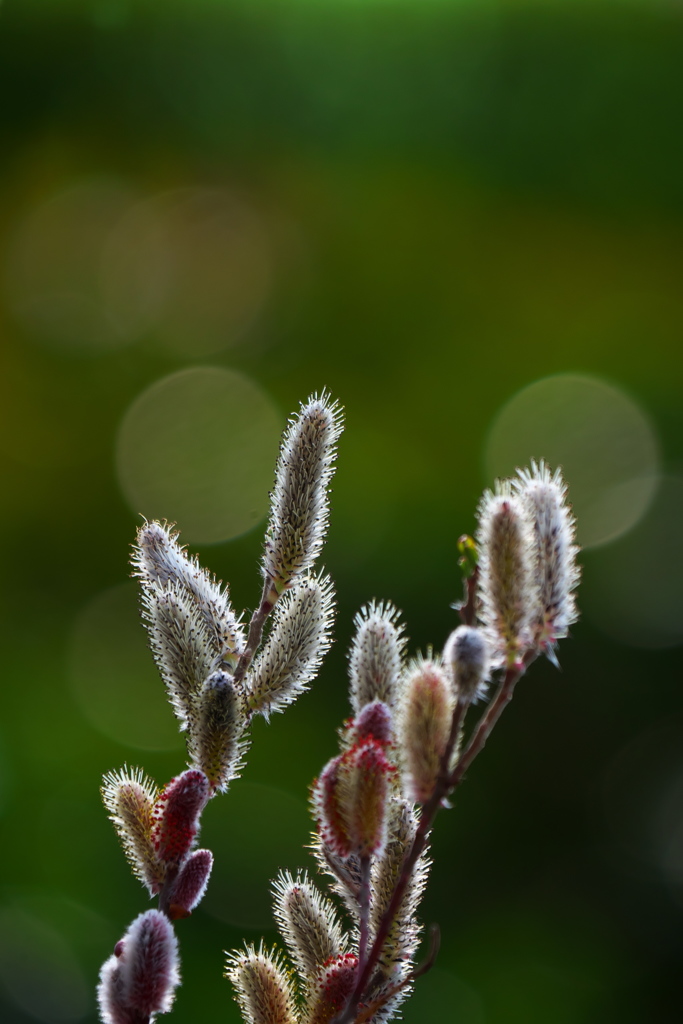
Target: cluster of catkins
217	676
403	751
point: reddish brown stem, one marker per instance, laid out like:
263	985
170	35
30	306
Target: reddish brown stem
256	624
364	908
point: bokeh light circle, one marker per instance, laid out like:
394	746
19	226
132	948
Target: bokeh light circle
600	437
198	449
197	260
633	590
112	674
261	830
53	277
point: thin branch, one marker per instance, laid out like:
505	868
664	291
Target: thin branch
371	1009
258	620
364	908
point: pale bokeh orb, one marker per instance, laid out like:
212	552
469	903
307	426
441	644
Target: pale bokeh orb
602	440
198	448
53	280
196	262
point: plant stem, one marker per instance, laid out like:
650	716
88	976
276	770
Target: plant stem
256	624
364	908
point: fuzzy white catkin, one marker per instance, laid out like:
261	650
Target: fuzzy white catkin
129	797
262	986
376	655
299	502
161	564
308	923
216	741
466	655
426	713
299	637
555	572
506	588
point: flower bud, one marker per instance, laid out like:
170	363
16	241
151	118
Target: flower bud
374	721
350	800
555	573
262	988
162	564
299	638
190	884
140	980
466	654
299	503
426	716
216	741
308	923
333	989
505	572
129	797
375	656
176	812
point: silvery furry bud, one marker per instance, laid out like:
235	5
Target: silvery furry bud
375	658
425	723
506	589
299	638
141	977
176	815
308	924
555	572
216	741
466	655
129	797
190	884
262	987
299	502
161	563
181	643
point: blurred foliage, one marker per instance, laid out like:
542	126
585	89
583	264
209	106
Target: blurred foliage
460	198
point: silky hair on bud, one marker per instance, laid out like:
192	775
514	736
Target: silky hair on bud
263	989
308	923
506	588
299	502
466	655
298	640
426	713
376	655
216	731
129	797
140	979
554	551
161	564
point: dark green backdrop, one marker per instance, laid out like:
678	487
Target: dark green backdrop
461	198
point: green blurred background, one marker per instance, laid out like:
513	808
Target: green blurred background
438	211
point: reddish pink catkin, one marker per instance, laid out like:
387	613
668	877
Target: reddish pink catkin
177	811
190	884
141	977
350	799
